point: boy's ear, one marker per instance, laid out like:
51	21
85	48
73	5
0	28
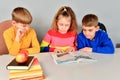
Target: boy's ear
97	28
13	22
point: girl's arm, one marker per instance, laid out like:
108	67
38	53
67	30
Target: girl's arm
45	44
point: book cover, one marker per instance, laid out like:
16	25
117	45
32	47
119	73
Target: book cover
72	57
34	73
15	65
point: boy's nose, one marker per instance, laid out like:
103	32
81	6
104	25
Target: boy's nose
87	33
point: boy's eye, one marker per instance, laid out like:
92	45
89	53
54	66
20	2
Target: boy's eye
84	30
24	26
90	30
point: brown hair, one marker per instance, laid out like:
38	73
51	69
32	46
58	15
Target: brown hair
90	20
21	15
66	12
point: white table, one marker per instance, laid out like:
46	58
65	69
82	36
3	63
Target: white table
106	68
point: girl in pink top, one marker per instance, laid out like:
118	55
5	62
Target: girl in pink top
62	35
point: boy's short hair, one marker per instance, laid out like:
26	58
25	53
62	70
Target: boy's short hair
21	15
90	20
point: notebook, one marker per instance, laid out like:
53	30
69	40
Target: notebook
15	65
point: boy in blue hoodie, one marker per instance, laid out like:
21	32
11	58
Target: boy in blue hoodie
92	39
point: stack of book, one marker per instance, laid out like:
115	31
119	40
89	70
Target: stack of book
35	72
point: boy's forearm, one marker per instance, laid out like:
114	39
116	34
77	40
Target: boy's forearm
14	48
33	50
104	50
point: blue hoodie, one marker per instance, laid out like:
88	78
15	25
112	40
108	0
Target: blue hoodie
101	43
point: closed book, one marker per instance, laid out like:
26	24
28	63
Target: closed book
34	73
15	65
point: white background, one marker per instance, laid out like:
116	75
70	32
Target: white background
43	12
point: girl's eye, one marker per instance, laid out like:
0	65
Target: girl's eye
67	25
61	24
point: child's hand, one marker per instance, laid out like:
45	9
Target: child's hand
71	49
86	49
59	51
19	33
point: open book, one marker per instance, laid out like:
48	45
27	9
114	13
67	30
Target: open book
72	57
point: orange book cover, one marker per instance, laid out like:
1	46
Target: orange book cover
34	73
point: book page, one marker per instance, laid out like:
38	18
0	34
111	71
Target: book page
83	57
67	58
71	57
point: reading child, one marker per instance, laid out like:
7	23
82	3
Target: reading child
92	39
20	36
61	37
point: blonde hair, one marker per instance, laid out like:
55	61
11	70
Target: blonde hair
90	20
65	11
21	15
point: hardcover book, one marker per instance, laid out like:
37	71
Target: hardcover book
34	73
71	57
15	65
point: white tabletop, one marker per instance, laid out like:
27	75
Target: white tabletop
107	67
